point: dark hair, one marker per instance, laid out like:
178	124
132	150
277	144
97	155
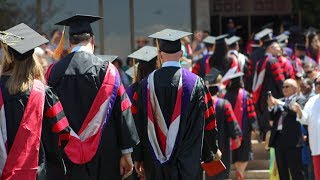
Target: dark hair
119	61
235	84
53	32
307	81
233	45
219	59
145	68
313	52
208	45
79	38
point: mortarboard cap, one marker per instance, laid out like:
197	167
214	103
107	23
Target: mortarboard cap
146	53
130	71
169	40
209	40
222	37
236	75
109	58
263	35
22	40
282	37
211	77
79	24
232	40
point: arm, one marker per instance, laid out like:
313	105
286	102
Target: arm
232	123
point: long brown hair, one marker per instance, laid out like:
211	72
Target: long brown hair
22	73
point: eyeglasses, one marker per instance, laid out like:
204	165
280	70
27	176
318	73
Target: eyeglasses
309	72
285	87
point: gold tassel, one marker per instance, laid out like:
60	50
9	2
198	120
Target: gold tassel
60	48
158	57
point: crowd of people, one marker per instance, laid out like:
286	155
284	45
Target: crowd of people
175	105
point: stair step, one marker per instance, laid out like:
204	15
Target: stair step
253	174
256	165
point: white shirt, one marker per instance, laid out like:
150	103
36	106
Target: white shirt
311	117
82	48
171	64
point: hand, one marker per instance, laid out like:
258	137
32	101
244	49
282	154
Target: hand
238	141
126	165
139	168
218	155
270	101
295	107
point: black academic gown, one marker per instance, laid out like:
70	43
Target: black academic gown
249	123
51	165
77	79
186	157
228	127
257	55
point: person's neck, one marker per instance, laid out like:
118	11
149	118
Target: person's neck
87	46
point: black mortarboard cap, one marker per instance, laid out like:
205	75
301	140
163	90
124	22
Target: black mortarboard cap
169	40
212	76
22	40
269	42
146	53
264	35
109	58
79	23
209	40
232	40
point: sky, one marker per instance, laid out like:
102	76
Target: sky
149	15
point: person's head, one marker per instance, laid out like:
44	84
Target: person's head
274	49
80	30
170	56
234	46
117	63
206	33
55	36
299	50
219	58
129	62
313	39
22	72
145	68
306	86
141	41
289	87
185	40
317	85
235	83
230	24
198	36
310	70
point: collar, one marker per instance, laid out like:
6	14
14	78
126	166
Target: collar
210	53
82	48
235	52
171	64
269	55
290	97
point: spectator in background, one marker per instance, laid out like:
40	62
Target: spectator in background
141	41
54	41
313	46
206	33
310	70
232	28
286	136
198	47
310	116
124	78
306	88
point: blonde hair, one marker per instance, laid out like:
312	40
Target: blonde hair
22	73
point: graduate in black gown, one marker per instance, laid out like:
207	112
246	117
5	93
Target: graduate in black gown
227	123
33	126
176	118
97	107
244	110
202	67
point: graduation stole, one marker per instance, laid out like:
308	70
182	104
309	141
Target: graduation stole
160	136
22	160
82	146
240	109
233	69
258	79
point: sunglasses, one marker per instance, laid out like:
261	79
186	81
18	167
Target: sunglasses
309	72
285	87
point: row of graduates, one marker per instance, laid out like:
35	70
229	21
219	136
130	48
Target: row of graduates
265	68
83	125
